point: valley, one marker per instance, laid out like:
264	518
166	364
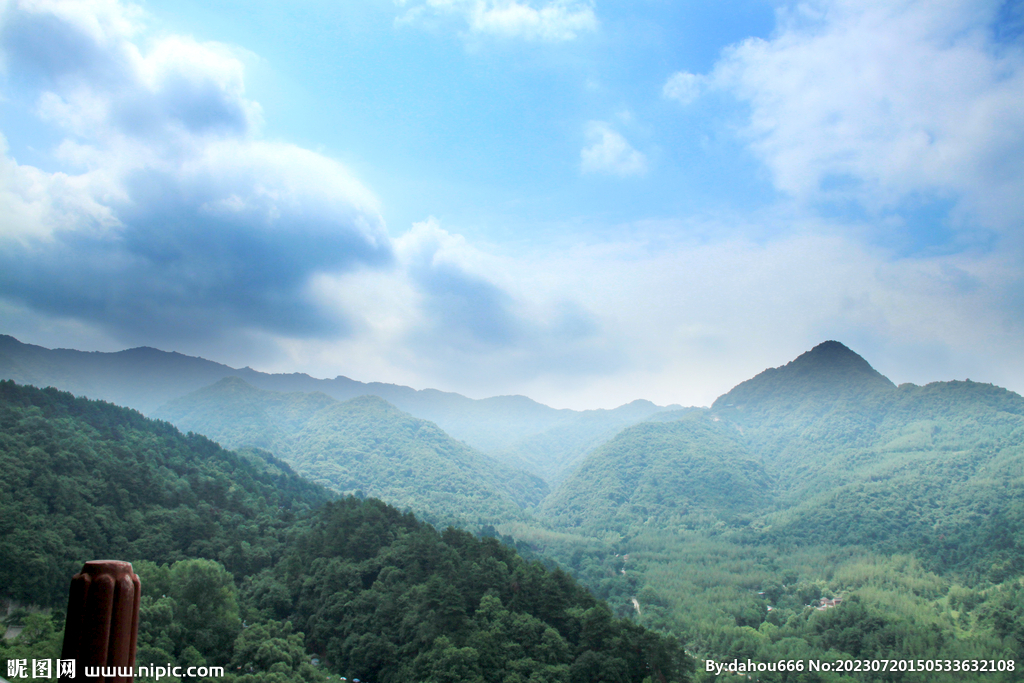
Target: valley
729	530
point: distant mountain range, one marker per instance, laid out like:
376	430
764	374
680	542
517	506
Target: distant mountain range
814	479
822	447
518	430
364	444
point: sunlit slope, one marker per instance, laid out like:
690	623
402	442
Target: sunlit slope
83	480
364	444
680	474
943	478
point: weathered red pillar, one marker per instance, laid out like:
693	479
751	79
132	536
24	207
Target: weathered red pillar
103	619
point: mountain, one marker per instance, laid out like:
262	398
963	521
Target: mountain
940	474
815	512
364	444
823	450
799	416
141	378
904	506
682	468
683	473
85	479
522	432
829	379
556	451
246	566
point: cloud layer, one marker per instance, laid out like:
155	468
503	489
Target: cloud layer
602	323
454	313
172	220
891	105
609	152
179	221
554	21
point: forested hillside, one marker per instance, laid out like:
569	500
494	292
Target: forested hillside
816	511
818	479
676	474
364	444
240	570
400	602
84	479
516	429
936	471
824	449
940	475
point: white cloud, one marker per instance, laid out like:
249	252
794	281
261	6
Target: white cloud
180	89
554	21
683	86
452	315
179	224
36	204
609	152
883	102
683	322
172	217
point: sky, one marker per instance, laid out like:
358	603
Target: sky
584	202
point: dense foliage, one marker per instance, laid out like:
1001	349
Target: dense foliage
725	528
87	479
364	444
662	474
936	471
239	571
818	479
397	601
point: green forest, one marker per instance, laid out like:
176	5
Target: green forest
815	512
817	480
363	444
246	565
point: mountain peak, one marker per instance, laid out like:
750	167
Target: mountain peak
831	356
832	347
827	372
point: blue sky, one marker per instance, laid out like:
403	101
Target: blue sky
583	202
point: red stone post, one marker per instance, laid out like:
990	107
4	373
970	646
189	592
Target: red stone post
103	619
